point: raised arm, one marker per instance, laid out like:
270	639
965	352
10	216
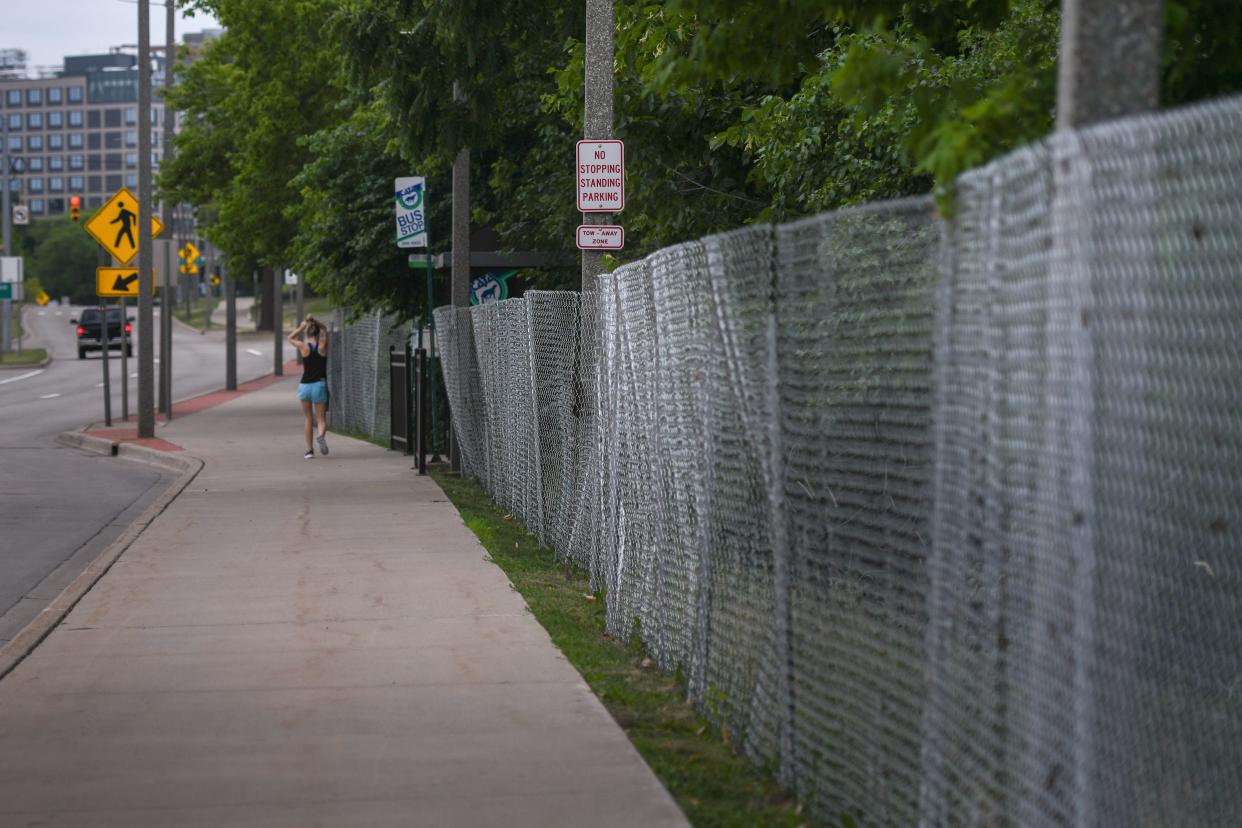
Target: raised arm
297	343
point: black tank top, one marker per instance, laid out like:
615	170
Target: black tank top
314	366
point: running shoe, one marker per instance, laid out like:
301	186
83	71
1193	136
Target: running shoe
310	455
323	445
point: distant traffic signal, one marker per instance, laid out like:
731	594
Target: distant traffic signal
75	207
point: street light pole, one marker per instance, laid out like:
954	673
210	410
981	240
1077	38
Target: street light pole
8	229
170	258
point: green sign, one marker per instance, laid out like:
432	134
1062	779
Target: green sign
6	290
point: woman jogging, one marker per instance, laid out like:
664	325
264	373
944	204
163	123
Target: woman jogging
313	389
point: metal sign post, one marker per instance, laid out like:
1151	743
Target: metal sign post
413	231
124	361
103	352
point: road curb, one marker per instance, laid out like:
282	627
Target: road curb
24	643
35	365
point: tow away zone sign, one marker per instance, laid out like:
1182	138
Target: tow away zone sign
601	177
601	237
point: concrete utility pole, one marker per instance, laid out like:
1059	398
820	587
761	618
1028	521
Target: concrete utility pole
170	256
597	121
1110	60
146	339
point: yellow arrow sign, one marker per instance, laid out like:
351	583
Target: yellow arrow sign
42	298
115	226
215	280
118	281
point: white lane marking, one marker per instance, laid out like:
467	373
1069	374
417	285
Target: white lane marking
133	376
49	396
253	351
42	313
60	313
22	377
99	385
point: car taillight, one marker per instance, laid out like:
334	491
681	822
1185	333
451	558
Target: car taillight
129	328
81	330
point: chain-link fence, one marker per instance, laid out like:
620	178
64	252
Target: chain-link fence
943	522
358	374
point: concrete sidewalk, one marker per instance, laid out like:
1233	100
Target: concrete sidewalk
308	643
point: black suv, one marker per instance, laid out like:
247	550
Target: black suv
89	338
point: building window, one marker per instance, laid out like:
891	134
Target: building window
36	206
77	183
15	121
94	140
131	180
34	120
55	120
35	185
55	205
75	118
112	161
14	97
55	163
34	97
15	143
131	115
131	160
94	162
95	182
131	138
75	94
93	119
112	140
155	139
75	140
15	184
34	164
34	143
112	183
76	162
55	95
56	184
56	142
112	117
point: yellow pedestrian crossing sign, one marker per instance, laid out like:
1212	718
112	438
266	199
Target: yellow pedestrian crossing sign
114	226
118	281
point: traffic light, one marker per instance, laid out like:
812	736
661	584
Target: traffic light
75	207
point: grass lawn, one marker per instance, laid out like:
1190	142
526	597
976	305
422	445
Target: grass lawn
29	356
713	786
199	310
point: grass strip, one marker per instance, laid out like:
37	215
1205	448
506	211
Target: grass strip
692	757
30	356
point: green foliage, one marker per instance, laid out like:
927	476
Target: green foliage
300	116
60	257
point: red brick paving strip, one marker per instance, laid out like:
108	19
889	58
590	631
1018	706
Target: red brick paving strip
190	406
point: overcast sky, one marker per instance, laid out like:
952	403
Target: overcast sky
50	29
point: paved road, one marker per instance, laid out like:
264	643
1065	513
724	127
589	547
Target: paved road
59	507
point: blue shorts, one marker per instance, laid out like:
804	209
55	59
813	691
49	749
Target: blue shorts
313	392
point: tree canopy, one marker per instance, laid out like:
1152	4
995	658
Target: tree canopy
301	114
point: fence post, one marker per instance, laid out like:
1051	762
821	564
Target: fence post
1110	60
1109	68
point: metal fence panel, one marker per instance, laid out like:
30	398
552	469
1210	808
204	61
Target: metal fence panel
941	520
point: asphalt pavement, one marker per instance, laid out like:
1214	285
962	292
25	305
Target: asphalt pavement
60	506
303	643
